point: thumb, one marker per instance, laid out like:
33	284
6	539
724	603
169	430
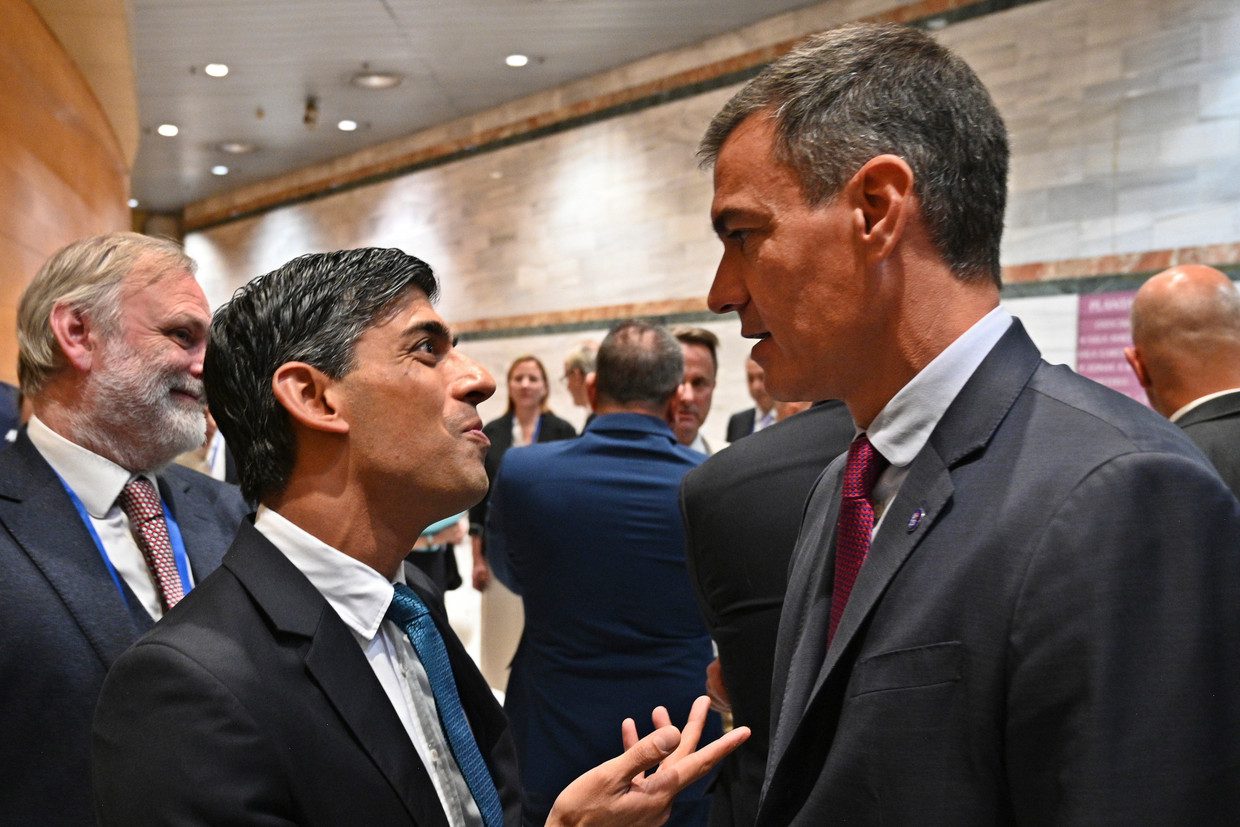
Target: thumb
646	753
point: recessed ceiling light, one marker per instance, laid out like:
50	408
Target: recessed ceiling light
168	130
347	126
216	70
133	202
236	147
377	80
517	61
219	169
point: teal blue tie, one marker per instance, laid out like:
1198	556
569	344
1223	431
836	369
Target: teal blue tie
409	613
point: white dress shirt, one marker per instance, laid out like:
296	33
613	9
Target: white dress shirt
763	419
97	482
905	423
360	596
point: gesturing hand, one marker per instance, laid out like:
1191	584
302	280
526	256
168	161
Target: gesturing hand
620	793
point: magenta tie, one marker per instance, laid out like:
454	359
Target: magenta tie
140	502
855	525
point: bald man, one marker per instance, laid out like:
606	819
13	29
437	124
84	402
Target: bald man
1186	354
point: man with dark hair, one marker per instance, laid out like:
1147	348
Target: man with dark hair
587	532
99	533
700	349
312	679
1186	354
1017	599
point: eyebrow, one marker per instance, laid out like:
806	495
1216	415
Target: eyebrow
437	330
186	320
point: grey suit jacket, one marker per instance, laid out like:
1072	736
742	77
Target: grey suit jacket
1046	630
63	624
1215	427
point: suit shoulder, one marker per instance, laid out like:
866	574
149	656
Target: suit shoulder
1087	413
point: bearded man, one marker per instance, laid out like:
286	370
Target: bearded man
99	534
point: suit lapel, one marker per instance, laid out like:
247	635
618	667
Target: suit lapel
201	528
39	515
336	664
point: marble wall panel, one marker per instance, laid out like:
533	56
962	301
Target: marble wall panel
1124	117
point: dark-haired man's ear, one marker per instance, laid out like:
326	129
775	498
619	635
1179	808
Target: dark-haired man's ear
74	333
882	198
302	390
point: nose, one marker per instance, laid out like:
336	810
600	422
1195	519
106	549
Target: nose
473	383
197	353
684	393
727	292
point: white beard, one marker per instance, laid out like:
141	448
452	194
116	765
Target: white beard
129	415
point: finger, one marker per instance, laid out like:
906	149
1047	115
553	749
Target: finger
691	733
640	757
692	767
628	733
660	717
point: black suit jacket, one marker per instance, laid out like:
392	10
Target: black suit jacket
499	431
740	424
1046	629
64	624
253	701
1215	427
742	509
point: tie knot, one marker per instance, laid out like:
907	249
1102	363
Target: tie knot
862	470
406	606
140	501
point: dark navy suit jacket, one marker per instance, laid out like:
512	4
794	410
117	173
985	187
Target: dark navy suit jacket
63	624
1046	629
253	703
588	532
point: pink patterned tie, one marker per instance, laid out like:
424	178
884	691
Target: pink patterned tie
856	523
140	502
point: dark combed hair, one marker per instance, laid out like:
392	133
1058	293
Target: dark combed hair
849	94
311	310
638	363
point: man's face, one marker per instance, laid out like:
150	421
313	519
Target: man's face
575	380
411	405
792	272
143	398
755	377
694	394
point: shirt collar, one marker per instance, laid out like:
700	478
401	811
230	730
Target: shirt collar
97	481
905	423
1198	402
355	591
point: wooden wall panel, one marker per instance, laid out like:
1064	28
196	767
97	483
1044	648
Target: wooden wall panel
62	172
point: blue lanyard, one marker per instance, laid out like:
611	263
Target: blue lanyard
174	537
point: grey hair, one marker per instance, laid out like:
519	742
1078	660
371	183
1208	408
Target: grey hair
581	358
87	276
858	91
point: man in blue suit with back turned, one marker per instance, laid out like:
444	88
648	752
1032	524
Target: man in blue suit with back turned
588	532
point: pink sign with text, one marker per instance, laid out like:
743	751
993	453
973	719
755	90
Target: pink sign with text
1103	330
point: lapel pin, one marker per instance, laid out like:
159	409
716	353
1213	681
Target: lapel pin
915	520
